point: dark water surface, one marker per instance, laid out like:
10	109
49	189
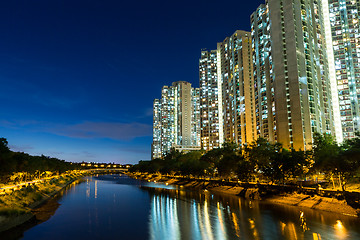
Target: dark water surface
117	207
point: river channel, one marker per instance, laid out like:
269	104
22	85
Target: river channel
118	207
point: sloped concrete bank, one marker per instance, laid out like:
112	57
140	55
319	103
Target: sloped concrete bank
347	203
33	210
12	221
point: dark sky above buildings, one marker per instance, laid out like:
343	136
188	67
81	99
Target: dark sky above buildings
78	78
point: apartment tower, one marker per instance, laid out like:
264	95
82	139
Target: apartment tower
294	78
176	119
343	39
210	101
235	73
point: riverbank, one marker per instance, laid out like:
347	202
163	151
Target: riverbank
19	206
32	203
330	201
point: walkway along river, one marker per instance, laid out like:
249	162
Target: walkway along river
118	207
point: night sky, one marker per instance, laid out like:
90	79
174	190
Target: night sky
78	78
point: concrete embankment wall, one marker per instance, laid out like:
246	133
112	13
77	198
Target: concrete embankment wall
347	203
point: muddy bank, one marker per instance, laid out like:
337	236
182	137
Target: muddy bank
331	201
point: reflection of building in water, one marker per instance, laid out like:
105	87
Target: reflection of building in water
87	188
303	224
174	218
340	230
95	188
164	218
180	216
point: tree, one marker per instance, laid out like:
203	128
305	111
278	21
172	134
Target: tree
212	159
171	163
4	146
266	158
191	163
245	169
325	152
336	161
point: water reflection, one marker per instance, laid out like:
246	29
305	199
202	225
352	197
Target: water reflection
114	207
181	214
340	230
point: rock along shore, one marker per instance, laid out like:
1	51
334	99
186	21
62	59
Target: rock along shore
347	203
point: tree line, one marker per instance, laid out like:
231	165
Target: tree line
27	166
264	160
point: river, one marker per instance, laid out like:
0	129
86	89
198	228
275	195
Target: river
118	207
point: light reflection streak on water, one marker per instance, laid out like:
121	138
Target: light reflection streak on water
236	225
201	222
196	221
316	236
208	228
220	226
87	188
175	217
207	216
340	230
253	228
96	189
181	214
88	185
164	218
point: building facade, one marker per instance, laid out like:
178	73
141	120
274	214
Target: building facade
196	124
342	18
235	73
263	74
297	72
210	101
156	144
176	119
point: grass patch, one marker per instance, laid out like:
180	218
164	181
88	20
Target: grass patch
12	212
18	202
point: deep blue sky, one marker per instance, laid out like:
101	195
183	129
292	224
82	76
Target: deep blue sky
78	78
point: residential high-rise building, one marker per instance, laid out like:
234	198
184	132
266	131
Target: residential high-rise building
176	119
183	113
343	35
263	74
210	101
168	120
156	144
235	72
294	79
196	126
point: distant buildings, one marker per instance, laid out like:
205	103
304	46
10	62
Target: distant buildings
296	73
175	119
156	145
